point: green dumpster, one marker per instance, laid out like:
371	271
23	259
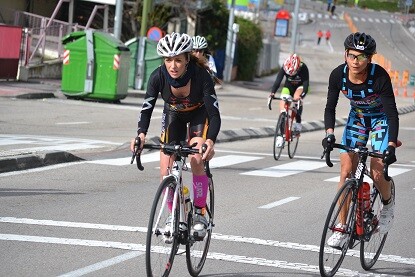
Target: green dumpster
140	70
95	66
412	80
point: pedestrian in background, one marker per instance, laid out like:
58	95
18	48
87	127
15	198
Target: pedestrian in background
329	2
319	36
328	36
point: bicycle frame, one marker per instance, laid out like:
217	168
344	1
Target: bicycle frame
348	210
176	171
291	113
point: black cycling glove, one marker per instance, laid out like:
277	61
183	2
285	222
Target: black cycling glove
328	142
389	156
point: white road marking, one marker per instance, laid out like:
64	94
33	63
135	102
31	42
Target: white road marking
39	169
231	160
279	202
287	169
393	171
141	248
103	264
145	158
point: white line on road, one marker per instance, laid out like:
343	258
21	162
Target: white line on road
231	160
287	169
279	202
39	169
103	264
393	171
129	246
141	247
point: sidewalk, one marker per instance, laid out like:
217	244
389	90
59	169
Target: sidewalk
243	105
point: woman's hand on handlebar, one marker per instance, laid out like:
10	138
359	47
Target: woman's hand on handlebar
210	151
133	141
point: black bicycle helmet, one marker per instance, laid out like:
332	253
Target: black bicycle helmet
361	42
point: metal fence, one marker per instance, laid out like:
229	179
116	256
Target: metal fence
42	37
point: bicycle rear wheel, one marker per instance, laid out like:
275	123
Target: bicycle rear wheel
372	244
162	239
330	258
197	250
279	131
293	141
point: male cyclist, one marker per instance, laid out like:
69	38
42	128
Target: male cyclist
296	85
190	109
372	110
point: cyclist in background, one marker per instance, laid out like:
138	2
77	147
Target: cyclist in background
201	52
296	85
189	99
372	109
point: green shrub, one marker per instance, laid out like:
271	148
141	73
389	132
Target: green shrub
249	45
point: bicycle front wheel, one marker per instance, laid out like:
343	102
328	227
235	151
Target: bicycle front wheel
162	234
197	250
372	244
293	141
339	223
279	131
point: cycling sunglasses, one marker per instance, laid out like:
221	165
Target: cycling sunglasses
360	58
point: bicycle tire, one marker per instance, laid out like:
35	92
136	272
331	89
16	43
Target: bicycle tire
293	141
196	251
279	131
160	254
371	246
330	259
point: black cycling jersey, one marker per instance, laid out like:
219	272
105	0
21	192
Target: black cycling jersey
293	82
374	97
202	96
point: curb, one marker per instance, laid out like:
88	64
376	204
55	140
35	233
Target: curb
33	161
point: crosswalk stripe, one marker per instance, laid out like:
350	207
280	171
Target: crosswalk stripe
287	169
393	171
146	158
231	160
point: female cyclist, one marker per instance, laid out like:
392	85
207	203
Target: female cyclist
372	109
296	84
189	99
200	51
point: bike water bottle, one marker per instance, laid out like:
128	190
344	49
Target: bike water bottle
187	203
366	196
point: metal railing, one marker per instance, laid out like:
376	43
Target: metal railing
42	37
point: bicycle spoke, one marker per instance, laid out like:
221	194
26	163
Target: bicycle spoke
340	221
279	131
162	241
196	250
293	141
372	245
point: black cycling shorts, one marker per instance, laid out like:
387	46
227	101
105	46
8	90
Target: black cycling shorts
174	125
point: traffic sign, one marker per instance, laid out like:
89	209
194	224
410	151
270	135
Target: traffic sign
154	33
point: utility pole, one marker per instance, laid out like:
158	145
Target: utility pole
295	24
119	4
144	17
229	40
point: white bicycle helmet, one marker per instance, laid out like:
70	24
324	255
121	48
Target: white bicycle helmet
292	64
174	44
199	42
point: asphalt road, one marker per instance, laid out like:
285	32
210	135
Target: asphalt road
90	216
